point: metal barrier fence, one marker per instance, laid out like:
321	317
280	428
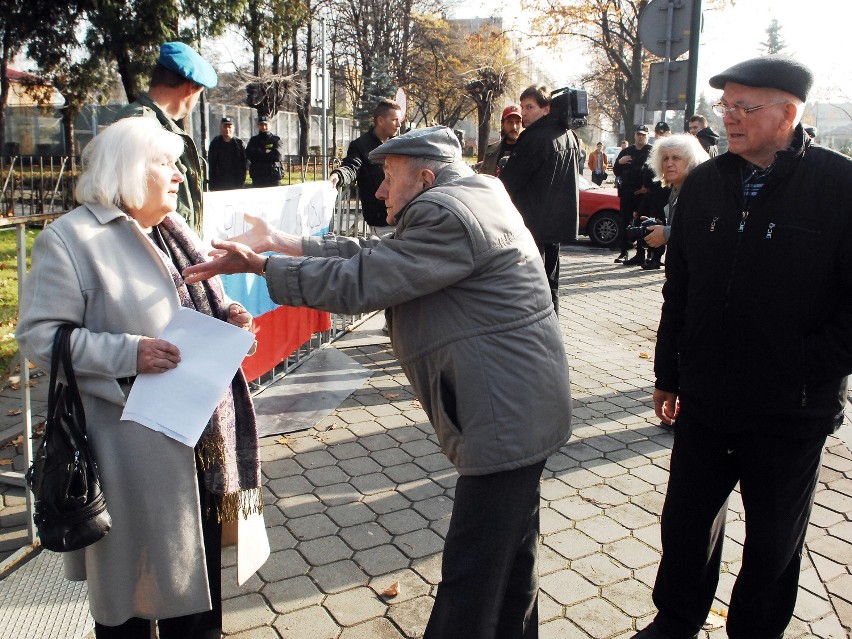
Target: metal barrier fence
44	184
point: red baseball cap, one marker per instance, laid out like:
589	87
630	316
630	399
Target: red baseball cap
512	109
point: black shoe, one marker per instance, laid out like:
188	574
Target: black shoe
636	260
652	632
651	264
621	257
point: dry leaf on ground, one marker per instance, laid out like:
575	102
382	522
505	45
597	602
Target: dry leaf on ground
644	355
13	412
391	591
5	462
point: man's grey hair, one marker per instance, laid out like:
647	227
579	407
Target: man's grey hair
688	145
437	166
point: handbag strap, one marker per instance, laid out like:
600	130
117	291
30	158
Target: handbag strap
62	352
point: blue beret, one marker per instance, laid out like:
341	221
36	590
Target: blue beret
434	143
770	71
185	61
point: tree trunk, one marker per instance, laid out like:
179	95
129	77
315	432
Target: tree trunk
128	78
304	109
4	89
483	112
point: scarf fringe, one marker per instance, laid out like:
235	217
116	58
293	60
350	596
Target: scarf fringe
245	502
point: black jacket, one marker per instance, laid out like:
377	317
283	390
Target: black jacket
635	174
541	178
264	153
227	162
356	167
709	140
756	327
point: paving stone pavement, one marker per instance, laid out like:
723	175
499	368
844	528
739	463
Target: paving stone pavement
363	499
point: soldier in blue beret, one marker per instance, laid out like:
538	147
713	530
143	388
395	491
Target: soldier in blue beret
752	353
177	81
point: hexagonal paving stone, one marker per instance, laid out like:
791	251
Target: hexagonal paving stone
309	622
412	615
600	569
324	550
576	508
338	576
368	535
567	587
292	594
373	629
402	521
599	618
381	560
603	529
283	565
354	606
419	543
630	596
312	526
632	553
572	544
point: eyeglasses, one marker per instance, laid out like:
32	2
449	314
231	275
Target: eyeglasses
720	109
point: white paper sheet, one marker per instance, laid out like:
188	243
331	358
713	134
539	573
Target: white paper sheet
179	402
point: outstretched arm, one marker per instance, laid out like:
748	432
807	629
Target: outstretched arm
228	257
262	237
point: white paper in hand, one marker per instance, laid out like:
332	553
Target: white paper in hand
179	402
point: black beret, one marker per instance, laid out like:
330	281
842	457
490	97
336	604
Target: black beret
227	120
772	71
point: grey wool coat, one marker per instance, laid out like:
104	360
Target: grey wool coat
470	318
95	268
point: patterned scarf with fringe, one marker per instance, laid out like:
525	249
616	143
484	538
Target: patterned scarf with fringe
227	452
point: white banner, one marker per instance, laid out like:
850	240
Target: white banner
301	209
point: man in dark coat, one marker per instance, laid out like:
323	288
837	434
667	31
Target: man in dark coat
708	137
264	154
753	352
227	159
356	167
510	129
631	171
541	178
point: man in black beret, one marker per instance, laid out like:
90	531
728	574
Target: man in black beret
227	159
752	353
265	153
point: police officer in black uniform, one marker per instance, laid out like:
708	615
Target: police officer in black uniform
264	154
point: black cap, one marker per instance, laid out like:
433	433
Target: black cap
262	118
772	71
661	126
641	129
227	120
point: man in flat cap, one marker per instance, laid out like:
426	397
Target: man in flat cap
227	159
264	153
472	323
177	81
752	352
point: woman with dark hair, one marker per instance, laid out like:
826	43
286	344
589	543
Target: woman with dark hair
111	267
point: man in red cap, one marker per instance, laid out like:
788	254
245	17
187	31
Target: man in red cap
510	128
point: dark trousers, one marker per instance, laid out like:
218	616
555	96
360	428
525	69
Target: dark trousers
201	625
598	178
778	478
628	205
550	256
489	572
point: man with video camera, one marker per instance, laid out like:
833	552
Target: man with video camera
541	178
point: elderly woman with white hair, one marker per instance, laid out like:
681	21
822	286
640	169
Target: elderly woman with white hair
671	160
111	267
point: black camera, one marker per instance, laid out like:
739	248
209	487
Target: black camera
635	233
570	107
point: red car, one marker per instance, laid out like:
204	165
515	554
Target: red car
598	213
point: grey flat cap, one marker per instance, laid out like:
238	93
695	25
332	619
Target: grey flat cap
434	143
772	71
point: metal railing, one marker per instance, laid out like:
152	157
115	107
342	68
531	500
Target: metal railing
44	184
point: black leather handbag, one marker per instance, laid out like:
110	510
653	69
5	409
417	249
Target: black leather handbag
70	509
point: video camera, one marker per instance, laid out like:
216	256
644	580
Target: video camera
635	233
570	107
